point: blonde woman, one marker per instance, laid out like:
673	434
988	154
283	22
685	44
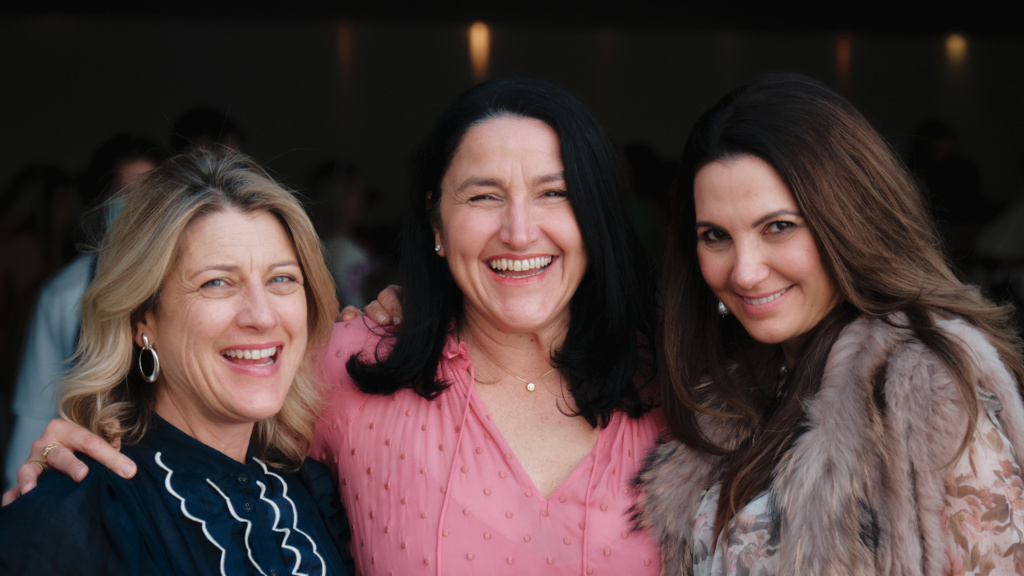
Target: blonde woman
209	292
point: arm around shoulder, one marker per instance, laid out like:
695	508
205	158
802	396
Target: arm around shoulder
358	337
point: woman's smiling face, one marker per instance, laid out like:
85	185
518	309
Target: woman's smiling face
230	326
757	253
507	228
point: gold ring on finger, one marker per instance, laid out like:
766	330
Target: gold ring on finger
47	451
40	463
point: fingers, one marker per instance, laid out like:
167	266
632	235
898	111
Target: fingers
390	303
386	310
98	449
66	439
349	313
11	495
376	312
62	460
51	450
25	480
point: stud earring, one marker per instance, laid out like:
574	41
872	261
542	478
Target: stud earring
437	248
722	310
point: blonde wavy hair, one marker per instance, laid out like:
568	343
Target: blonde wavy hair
103	388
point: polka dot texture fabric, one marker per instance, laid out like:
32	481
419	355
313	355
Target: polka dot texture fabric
432	488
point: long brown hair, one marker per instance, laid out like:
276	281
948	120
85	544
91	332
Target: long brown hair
875	239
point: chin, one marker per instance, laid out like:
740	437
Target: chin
767	336
264	410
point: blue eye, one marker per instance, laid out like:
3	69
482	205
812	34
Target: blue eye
214	282
557	193
285	283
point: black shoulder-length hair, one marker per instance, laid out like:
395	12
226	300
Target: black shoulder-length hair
605	354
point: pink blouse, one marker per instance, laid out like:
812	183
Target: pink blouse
431	487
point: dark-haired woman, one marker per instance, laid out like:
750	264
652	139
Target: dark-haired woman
500	427
847	405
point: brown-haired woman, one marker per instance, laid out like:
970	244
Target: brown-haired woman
840	402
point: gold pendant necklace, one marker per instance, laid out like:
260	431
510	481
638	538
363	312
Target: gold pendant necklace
530	386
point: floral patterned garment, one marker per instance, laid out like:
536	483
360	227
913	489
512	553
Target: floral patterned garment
984	515
751	540
983	519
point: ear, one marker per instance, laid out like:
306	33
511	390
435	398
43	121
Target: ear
145	326
435	224
438	241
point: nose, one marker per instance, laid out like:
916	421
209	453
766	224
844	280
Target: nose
749	267
518	226
256	311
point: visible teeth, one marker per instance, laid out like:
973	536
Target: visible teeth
502	264
766	299
251	354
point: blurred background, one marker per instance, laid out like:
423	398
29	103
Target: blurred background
333	99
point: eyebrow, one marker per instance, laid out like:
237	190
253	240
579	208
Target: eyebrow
773	215
475	181
758	222
229	268
548	178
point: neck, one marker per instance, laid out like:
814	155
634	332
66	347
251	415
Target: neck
792	350
231	440
526	355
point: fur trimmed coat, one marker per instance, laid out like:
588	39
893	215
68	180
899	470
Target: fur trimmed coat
862	490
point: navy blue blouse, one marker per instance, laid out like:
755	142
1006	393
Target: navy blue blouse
189	510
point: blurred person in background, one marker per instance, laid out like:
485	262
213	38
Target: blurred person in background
52	332
339	199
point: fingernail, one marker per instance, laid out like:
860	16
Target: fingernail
79	473
128	470
396	320
381	318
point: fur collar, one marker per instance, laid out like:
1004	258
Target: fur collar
861	491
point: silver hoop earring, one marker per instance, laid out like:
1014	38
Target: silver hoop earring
722	310
146	347
437	248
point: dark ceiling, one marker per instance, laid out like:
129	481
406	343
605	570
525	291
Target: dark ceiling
898	16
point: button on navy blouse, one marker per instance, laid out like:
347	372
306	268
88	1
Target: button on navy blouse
189	510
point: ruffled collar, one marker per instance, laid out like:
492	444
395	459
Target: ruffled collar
457	353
